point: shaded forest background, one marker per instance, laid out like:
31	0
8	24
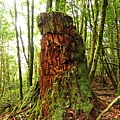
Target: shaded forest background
98	22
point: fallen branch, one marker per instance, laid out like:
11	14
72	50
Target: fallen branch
106	109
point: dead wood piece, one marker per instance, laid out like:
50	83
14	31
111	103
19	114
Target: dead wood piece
106	109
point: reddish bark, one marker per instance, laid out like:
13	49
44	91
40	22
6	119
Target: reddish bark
59	45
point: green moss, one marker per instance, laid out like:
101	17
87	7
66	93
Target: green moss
75	86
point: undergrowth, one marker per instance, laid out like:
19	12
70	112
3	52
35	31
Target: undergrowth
70	93
29	107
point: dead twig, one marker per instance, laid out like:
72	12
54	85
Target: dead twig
106	109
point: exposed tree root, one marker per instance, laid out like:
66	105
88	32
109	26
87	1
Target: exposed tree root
29	107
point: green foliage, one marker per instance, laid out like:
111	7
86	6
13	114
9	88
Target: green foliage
30	102
58	115
9	82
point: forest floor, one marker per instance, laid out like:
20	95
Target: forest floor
105	94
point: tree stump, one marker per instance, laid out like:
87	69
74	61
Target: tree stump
64	84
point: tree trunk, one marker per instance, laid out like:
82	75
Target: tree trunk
99	42
64	84
118	51
94	35
31	59
30	41
49	5
18	52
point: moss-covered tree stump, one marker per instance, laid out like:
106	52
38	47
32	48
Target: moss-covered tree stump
64	86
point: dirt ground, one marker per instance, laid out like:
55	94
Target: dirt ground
106	95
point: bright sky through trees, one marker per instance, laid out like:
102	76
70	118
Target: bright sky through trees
8	6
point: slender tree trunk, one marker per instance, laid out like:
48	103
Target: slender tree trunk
57	5
31	47
89	15
99	42
49	5
94	36
29	44
118	51
2	66
85	30
3	71
18	52
64	83
81	18
23	47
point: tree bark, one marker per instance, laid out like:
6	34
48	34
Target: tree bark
30	41
18	52
118	51
31	46
99	42
64	84
49	5
94	35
